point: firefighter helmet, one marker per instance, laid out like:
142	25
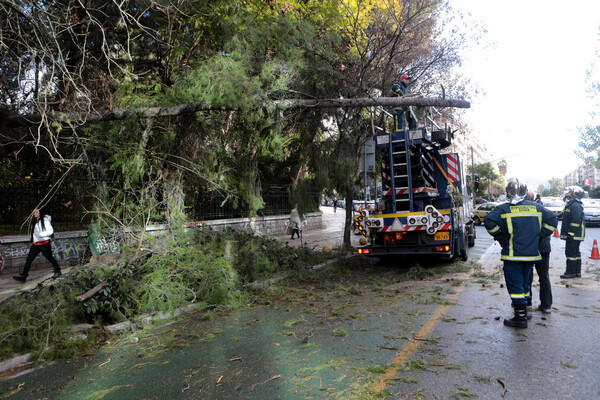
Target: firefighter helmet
516	189
574	193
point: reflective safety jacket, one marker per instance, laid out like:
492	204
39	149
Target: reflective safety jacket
520	228
399	89
573	222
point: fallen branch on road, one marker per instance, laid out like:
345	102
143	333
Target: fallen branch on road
504	389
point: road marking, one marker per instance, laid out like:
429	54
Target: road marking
413	345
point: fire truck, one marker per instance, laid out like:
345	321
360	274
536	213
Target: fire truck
426	207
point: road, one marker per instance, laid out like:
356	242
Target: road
356	330
471	353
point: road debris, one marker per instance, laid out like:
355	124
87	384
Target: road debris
104	363
504	389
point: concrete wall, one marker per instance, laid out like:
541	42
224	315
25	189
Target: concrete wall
69	248
72	248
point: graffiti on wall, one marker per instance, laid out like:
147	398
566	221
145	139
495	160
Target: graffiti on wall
62	250
65	249
100	243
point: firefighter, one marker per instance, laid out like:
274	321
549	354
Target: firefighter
519	225
400	89
573	231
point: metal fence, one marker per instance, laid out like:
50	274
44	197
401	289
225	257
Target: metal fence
67	205
20	195
213	204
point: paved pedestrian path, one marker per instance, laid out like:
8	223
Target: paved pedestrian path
331	233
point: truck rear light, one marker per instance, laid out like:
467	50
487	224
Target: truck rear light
442	249
364	251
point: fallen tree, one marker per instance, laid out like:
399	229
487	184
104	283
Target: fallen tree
13	121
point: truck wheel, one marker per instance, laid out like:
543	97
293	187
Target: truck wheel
464	254
471	235
464	250
471	240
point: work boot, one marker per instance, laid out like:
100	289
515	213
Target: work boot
20	278
56	274
568	276
520	318
529	309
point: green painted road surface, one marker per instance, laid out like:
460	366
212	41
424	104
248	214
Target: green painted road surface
329	338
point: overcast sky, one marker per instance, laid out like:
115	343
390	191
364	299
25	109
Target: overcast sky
534	79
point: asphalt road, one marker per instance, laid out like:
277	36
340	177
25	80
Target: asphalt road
472	354
408	332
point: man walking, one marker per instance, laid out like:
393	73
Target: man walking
573	231
518	226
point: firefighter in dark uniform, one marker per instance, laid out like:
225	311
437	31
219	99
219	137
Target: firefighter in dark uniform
400	89
573	231
519	225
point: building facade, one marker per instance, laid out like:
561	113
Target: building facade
585	175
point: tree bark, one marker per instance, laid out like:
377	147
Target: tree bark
14	121
92	291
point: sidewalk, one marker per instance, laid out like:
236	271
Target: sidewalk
9	286
331	234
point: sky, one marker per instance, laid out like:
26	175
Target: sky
533	77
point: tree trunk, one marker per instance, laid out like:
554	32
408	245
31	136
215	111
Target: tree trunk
14	121
348	224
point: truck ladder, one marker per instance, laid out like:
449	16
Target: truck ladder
410	168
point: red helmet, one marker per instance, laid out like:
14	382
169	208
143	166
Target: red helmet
406	77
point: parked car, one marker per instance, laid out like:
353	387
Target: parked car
481	211
591	211
555	205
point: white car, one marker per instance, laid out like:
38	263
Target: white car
591	211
